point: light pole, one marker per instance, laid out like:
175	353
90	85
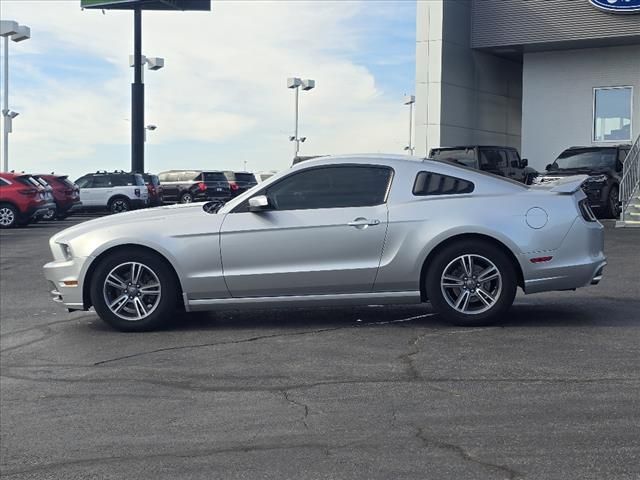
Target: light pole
410	100
306	85
138	129
18	33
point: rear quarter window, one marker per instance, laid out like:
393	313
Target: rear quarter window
429	183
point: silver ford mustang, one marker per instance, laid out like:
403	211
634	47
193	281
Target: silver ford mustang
343	230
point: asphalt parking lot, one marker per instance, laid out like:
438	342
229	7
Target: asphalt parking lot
367	393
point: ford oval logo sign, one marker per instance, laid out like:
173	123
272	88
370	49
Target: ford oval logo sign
617	6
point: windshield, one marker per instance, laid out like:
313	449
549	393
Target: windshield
588	158
461	156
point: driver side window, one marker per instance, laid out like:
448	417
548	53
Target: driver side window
329	187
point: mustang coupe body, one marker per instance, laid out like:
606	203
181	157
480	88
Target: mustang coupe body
361	229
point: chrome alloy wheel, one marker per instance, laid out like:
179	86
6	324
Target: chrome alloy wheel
471	284
132	291
119	206
7	216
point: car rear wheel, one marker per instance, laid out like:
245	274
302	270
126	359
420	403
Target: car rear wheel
119	205
186	198
612	208
471	283
134	291
8	216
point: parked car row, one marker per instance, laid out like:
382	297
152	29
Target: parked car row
603	165
26	198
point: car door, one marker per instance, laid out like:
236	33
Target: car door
514	169
323	234
85	185
101	190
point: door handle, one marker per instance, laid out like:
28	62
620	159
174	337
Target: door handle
361	222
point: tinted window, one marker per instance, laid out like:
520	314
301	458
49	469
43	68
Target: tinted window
3	182
101	181
428	183
121	180
513	159
84	182
492	160
577	158
245	177
331	187
214	177
136	180
462	156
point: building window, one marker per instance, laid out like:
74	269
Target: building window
612	114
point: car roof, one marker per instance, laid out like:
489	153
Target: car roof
474	146
598	147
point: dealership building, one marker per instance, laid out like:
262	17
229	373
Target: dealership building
538	75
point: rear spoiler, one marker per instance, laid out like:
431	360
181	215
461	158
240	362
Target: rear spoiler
567	185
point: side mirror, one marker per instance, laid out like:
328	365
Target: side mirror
259	203
524	163
548	167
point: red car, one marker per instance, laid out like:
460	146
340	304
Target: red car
66	195
22	199
155	189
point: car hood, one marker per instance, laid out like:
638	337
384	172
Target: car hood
165	218
577	171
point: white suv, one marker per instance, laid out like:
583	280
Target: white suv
116	192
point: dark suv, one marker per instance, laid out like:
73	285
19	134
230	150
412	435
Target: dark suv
503	161
186	186
155	189
240	182
604	167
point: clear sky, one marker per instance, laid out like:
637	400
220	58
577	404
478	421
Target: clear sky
221	98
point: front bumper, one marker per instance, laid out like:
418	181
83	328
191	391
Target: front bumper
65	281
579	261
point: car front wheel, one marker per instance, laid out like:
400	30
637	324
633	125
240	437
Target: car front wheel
119	205
8	216
134	291
471	283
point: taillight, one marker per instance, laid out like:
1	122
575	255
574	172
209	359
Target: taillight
152	189
585	210
28	191
202	186
234	186
68	192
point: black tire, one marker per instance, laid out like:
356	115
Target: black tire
503	298
8	216
612	207
186	198
162	312
119	205
50	215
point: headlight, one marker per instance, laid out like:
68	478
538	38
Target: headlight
597	179
66	251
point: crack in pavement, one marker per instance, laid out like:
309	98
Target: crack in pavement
286	394
429	443
260	337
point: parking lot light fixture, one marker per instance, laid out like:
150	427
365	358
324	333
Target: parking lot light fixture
306	85
410	100
17	33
